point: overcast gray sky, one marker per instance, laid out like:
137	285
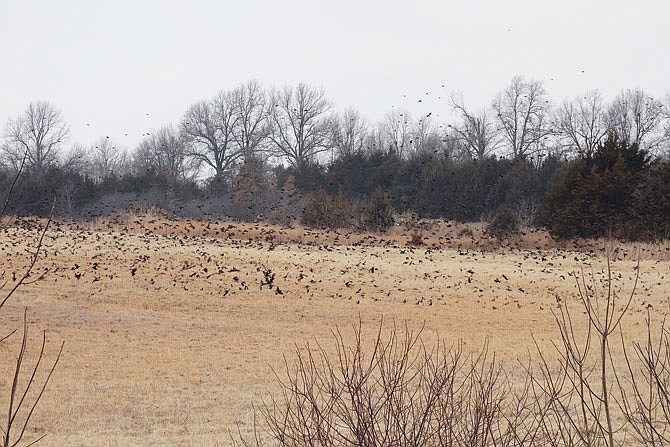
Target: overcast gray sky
109	63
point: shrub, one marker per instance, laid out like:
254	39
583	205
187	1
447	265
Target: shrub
651	209
378	214
522	188
400	392
315	213
23	386
416	239
325	212
505	224
465	232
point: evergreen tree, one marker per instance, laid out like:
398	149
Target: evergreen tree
596	196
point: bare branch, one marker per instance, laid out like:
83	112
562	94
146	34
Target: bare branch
298	129
522	110
38	133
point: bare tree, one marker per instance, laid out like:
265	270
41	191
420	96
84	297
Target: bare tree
583	122
76	159
163	152
349	132
38	133
523	110
451	146
637	118
207	129
666	123
396	131
105	159
251	105
424	137
374	140
298	129
477	131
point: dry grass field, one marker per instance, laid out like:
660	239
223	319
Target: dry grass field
171	329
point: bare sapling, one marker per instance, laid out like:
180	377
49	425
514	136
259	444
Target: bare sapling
25	391
393	389
581	387
644	394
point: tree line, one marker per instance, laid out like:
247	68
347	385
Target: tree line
251	152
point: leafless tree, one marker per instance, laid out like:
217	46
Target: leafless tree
250	102
105	159
637	118
666	124
163	152
349	132
396	132
451	146
583	122
298	130
207	130
477	131
76	159
424	136
251	105
38	132
375	140
522	110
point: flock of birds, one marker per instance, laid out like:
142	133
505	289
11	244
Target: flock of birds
223	259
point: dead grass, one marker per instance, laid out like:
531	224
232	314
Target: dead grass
435	234
171	335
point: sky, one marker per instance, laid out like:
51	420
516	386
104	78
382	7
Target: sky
121	68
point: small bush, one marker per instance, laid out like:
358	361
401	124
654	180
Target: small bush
378	214
325	212
504	224
416	239
465	232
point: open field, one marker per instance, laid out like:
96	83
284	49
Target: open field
171	330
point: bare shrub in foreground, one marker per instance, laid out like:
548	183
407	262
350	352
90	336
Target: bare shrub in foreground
644	392
395	390
581	387
25	391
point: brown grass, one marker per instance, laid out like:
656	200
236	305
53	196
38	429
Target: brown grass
435	234
171	335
